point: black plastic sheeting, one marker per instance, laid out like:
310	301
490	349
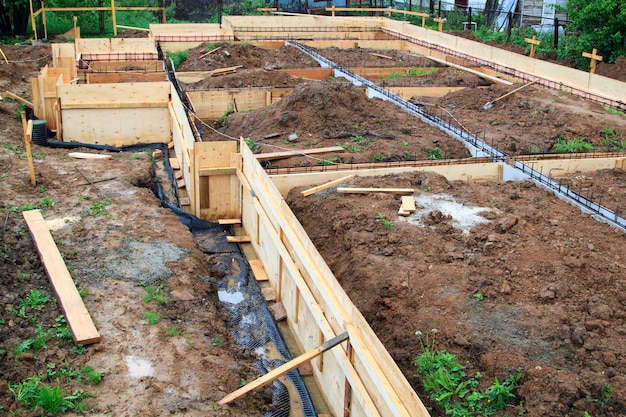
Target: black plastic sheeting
253	325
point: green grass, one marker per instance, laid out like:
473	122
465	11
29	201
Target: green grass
178	57
616	112
157	293
173	331
330	161
612	140
411	72
98	208
387	224
53	399
35	300
152	316
435	153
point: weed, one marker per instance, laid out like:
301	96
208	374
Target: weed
20	109
178	57
173	331
412	72
85	197
79	349
478	297
612	141
616	112
24	346
98	208
152	317
227	113
157	293
91	375
215	407
533	149
251	143
216	341
18	149
381	157
41	339
604	395
435	153
405	143
41	188
135	156
25	207
83	292
35	300
21	313
387	224
446	382
242	382
573	145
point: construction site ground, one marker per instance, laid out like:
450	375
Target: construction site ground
550	279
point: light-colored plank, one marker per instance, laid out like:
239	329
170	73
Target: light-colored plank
174	163
257	269
20	99
283	369
83	155
408	203
229	221
76	314
238	239
205	172
401	191
326	186
300	152
184	201
269	294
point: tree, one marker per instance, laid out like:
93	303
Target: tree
599	24
14	16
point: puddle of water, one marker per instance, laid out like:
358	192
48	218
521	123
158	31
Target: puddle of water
139	367
230	297
464	216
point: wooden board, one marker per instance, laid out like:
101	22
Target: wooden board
298	152
83	155
76	314
408	204
400	191
326	186
238	239
229	221
269	293
258	270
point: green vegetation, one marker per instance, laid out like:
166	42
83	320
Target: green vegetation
573	145
227	113
411	72
98	208
35	300
152	316
252	143
178	57
331	161
217	340
381	158
435	153
612	140
616	112
387	224
604	395
173	331
478	297
445	381
157	293
32	394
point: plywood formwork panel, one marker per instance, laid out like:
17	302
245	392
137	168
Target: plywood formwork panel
607	87
130	65
391	392
104	78
215	196
111	126
115	94
121	45
562	167
568	76
463	172
212	104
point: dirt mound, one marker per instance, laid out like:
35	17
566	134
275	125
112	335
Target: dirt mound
24	62
375	58
616	70
328	114
509	284
246	78
246	55
447	76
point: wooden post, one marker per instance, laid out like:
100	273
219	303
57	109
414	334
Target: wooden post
333	11
113	19
594	59
469	19
43	18
32	19
533	44
28	133
556	33
440	23
75	19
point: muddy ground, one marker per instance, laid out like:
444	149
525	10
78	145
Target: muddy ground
554	297
117	241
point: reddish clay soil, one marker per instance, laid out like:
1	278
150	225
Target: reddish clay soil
113	256
606	187
551	280
326	114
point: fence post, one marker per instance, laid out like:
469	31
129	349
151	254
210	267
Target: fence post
509	26
556	33
439	9
431	6
469	18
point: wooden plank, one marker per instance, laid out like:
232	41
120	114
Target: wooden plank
408	204
278	311
471	71
83	155
269	293
114	105
76	314
326	186
18	98
381	56
180	183
401	191
174	163
258	270
238	239
301	152
283	369
184	201
229	221
205	172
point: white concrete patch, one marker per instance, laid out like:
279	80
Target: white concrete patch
464	216
56	224
138	367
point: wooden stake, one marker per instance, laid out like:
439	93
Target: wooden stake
113	18
533	44
300	152
20	99
595	58
32	19
283	369
440	22
211	51
28	133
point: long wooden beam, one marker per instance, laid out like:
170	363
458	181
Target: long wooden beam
18	98
76	314
283	369
471	71
400	191
326	186
296	152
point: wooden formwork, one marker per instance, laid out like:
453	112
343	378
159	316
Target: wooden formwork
45	100
212	104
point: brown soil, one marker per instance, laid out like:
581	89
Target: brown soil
113	256
244	78
325	114
606	187
246	55
551	279
616	70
